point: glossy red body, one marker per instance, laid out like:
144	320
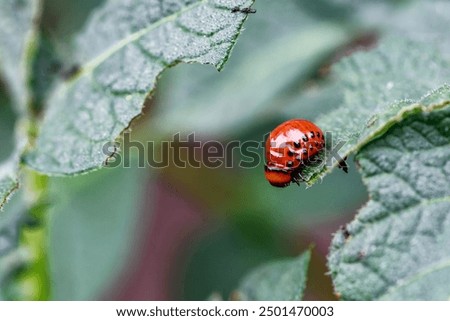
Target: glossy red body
288	148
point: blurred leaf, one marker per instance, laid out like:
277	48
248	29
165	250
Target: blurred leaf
243	194
16	22
7	122
397	246
423	21
281	48
45	67
381	88
277	281
31	281
288	209
62	19
320	98
53	46
12	256
124	48
220	259
332	10
419	20
8	159
9	180
92	230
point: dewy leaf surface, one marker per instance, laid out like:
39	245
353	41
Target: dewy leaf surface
124	48
16	21
397	248
277	281
382	87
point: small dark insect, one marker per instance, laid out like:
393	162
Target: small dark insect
247	10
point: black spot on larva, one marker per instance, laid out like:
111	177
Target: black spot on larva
296	144
318	134
310	146
304	151
290	153
305	139
289	163
311	135
317	144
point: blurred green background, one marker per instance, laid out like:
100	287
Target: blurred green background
146	234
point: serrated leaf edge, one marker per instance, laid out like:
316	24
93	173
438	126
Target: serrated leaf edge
402	114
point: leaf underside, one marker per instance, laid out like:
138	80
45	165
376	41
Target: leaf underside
395	115
397	246
124	48
278	281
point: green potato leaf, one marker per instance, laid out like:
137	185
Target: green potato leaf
381	88
277	281
397	246
122	51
